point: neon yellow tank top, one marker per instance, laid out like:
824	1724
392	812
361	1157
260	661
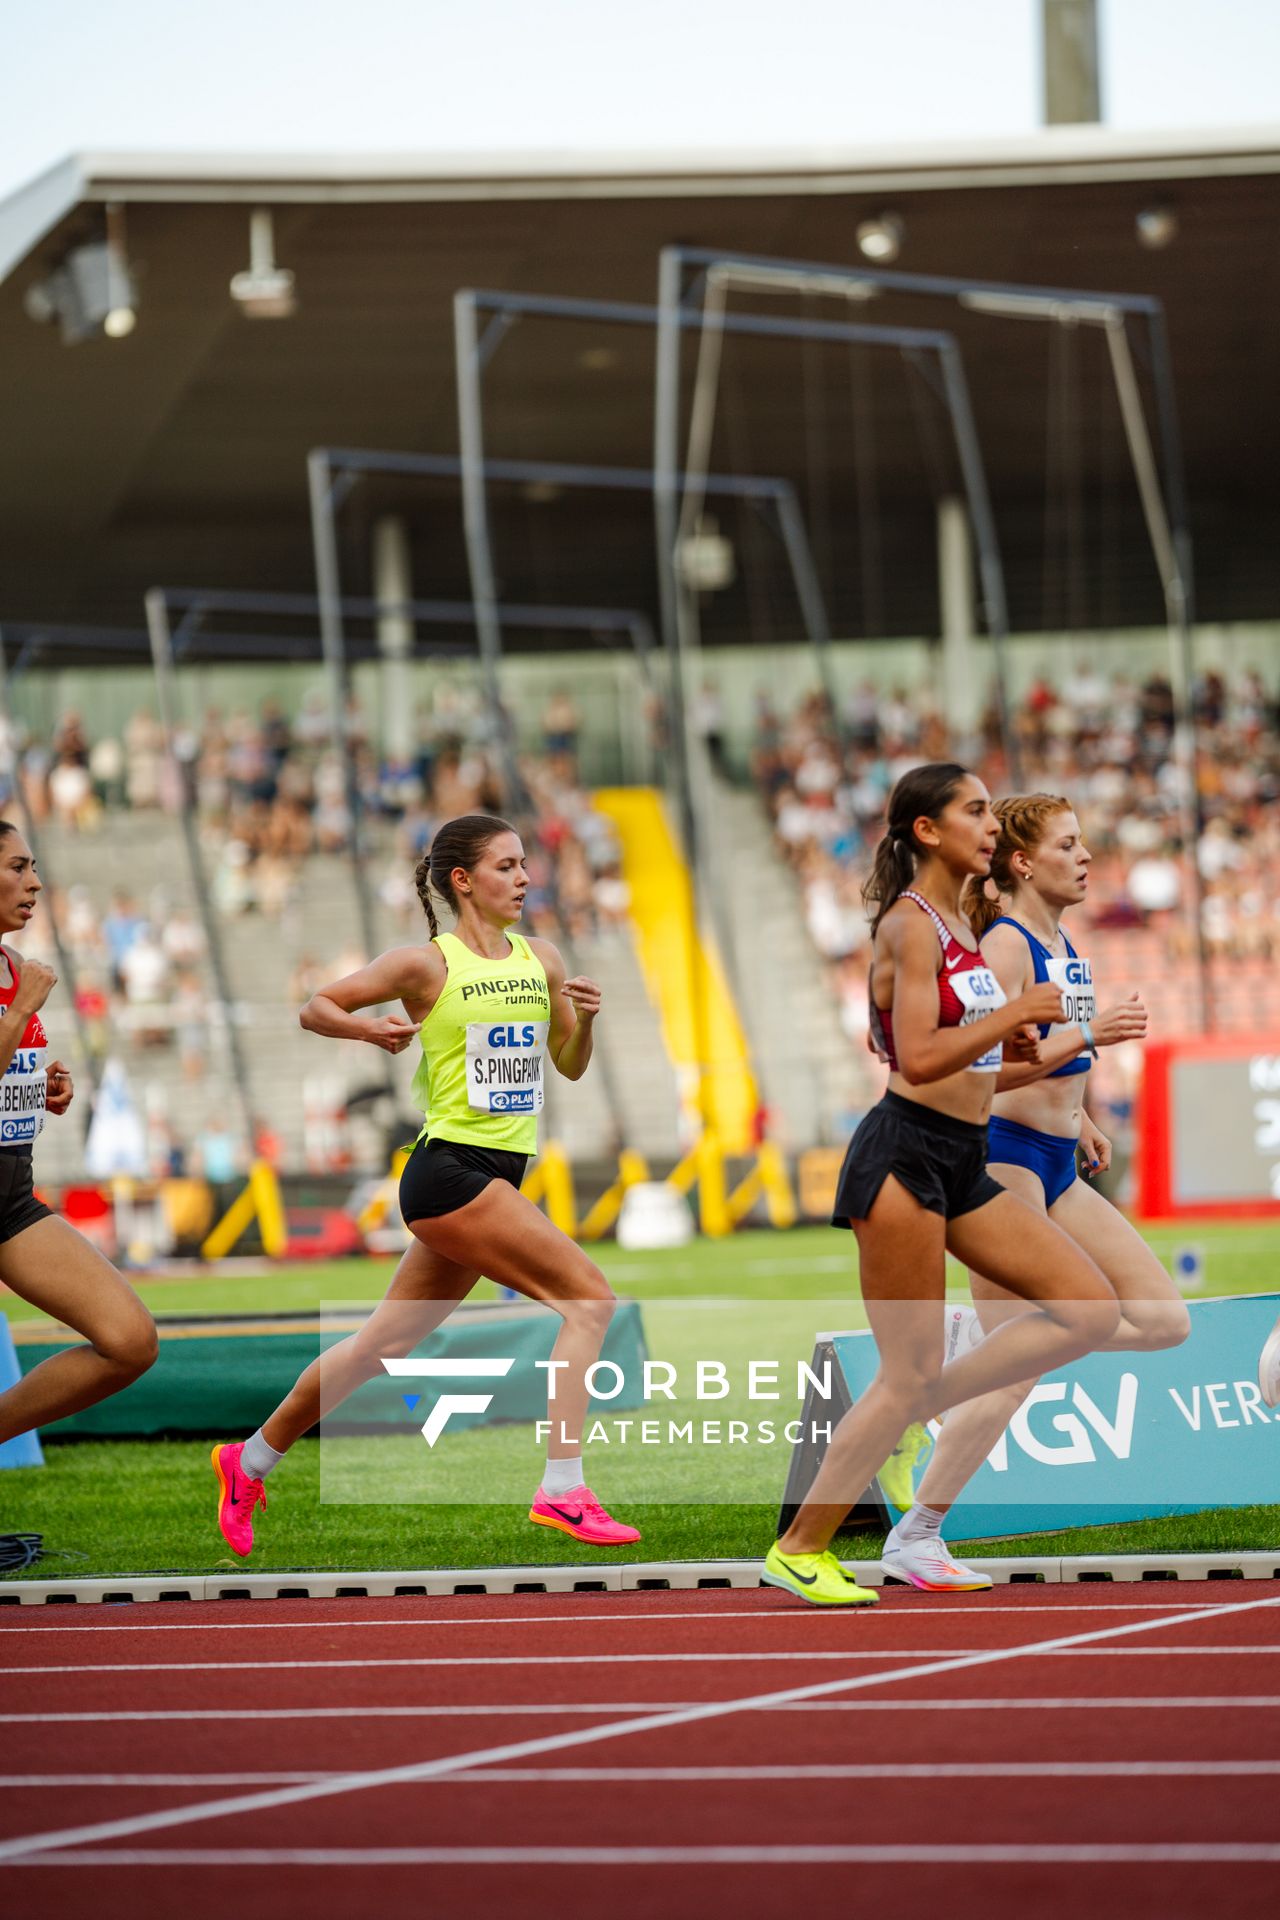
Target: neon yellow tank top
484	1047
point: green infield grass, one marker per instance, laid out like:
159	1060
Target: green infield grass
115	1506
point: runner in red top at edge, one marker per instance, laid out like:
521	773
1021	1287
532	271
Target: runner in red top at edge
43	1259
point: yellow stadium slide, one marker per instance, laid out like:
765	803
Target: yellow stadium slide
683	973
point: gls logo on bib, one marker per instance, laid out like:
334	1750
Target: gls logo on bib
980	993
504	1066
1074	980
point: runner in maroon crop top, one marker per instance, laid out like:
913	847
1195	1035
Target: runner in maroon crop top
914	1185
42	1258
957	999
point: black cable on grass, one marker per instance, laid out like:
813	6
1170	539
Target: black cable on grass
20	1550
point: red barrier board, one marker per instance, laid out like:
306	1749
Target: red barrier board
1208	1132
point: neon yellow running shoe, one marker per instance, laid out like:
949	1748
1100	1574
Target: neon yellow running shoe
897	1475
816	1577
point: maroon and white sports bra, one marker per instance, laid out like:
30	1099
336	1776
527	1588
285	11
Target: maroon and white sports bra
967	991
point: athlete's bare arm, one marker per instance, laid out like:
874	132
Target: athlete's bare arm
574	1006
1009	958
926	1051
412	975
35	983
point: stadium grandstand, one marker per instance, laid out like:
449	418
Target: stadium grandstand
177	454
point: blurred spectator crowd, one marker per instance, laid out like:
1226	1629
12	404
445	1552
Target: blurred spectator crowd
269	792
1111	747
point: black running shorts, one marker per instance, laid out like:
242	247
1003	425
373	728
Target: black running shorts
19	1208
442	1175
940	1161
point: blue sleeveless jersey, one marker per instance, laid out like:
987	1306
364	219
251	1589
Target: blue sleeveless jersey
1074	979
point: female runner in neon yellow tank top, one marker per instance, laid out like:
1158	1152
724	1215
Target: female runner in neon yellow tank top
488	1006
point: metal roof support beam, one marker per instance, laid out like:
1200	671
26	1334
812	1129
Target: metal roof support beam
172	642
677	604
1164	509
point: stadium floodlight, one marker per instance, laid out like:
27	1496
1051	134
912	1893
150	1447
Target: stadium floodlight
264	291
706	558
881	237
90	292
1156	227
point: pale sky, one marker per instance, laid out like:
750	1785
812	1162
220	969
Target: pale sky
464	76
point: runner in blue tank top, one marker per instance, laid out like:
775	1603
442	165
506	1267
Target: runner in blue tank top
1038	1122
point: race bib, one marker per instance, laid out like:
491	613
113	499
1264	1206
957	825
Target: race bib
23	1096
980	993
504	1066
1074	980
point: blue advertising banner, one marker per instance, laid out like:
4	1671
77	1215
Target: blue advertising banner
1126	1436
24	1449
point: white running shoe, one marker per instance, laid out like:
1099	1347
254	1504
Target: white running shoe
1269	1367
928	1564
964	1332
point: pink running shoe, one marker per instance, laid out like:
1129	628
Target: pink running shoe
237	1497
579	1513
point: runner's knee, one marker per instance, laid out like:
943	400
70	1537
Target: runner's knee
914	1387
132	1346
1091	1319
1157	1323
589	1287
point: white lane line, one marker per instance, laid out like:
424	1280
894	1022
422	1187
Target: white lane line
1233	1853
782	1611
637	1776
645	1659
167	1779
978	1703
650	1722
342	1713
879	1770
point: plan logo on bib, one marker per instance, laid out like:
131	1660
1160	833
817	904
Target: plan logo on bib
505	1066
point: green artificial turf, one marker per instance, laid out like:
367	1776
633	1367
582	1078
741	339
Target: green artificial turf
810	1263
113	1507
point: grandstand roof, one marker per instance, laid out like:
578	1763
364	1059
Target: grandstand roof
177	455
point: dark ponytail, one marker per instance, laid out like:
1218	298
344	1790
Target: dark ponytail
422	881
892	874
458	843
925	790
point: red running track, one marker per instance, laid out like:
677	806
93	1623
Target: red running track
1114	1750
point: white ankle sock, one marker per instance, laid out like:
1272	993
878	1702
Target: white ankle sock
257	1458
921	1523
562	1476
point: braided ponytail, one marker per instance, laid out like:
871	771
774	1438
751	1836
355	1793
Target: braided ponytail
422	881
458	843
926	791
